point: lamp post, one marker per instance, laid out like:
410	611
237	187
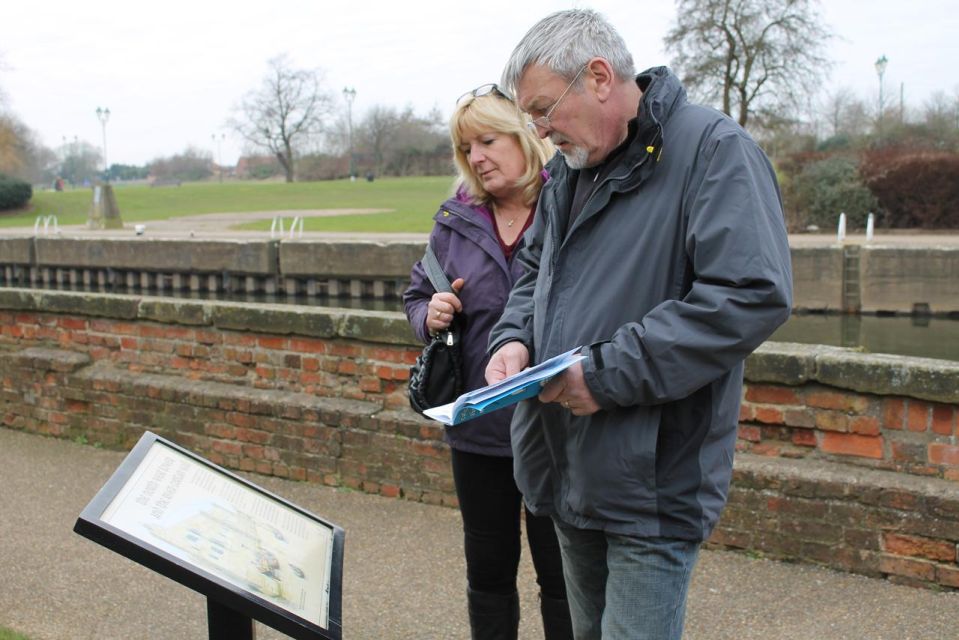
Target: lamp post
103	115
219	156
349	94
881	63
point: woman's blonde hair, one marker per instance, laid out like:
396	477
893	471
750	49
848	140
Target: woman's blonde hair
497	114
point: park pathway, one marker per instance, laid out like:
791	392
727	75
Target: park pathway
404	576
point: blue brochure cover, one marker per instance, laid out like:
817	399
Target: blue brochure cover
525	384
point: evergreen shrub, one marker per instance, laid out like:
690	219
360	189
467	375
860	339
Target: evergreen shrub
14	193
825	188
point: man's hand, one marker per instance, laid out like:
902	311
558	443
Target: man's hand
509	359
570	390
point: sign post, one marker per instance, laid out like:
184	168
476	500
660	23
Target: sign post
224	623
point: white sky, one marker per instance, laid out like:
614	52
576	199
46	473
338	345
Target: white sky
170	72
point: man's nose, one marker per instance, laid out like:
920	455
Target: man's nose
542	130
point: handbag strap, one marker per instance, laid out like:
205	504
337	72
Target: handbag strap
434	271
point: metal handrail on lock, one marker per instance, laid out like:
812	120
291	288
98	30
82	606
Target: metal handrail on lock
296	220
46	220
277	222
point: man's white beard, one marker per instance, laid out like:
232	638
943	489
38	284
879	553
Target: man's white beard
577	158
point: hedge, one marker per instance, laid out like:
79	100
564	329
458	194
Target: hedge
915	189
14	193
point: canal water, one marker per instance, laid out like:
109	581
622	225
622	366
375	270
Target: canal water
922	336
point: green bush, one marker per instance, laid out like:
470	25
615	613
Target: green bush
14	193
826	188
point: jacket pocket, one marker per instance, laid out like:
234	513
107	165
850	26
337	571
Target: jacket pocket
611	473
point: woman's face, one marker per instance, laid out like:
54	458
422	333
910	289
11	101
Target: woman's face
496	159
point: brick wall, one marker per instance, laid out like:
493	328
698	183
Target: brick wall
342	368
848	460
309	394
845	459
874	522
883	432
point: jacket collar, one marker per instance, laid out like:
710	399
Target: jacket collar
663	94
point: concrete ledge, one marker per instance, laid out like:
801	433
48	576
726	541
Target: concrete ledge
258	257
103	305
49	359
322	322
17	251
349	259
795	364
173	311
280	319
809	478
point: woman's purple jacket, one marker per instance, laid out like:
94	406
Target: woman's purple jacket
465	243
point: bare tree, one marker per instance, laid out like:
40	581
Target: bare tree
10	160
81	162
375	131
22	155
191	164
284	113
404	143
835	106
751	57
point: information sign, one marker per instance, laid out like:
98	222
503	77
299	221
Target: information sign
244	548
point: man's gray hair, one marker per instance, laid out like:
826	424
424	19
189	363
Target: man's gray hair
565	41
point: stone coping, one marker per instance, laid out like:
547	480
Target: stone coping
881	374
829	480
319	322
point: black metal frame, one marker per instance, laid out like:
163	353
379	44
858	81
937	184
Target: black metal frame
223	598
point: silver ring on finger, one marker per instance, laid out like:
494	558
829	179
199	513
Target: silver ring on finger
566	404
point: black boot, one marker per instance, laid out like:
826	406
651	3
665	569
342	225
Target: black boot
556	622
493	616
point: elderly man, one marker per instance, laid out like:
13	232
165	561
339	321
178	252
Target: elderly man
659	246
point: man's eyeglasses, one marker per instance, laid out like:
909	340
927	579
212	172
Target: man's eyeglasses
543	122
484	90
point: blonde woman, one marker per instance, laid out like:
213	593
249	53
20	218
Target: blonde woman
477	234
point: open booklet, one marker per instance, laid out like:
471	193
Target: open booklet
525	384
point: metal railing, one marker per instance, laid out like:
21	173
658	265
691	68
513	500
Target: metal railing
277	227
46	220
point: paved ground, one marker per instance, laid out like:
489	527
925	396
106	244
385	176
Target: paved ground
404	573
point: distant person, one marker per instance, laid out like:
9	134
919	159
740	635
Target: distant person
660	247
475	238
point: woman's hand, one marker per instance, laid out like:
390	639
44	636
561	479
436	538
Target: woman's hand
441	308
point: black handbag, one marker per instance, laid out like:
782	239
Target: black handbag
437	376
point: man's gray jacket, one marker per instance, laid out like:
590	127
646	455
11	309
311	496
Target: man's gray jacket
676	269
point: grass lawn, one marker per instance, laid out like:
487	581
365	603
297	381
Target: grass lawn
411	202
7	634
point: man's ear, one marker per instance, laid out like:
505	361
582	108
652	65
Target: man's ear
600	78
